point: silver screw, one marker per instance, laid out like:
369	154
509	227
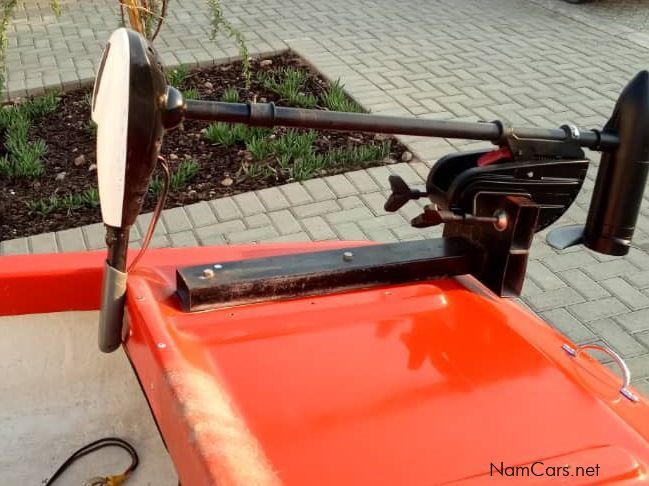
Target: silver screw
218	266
348	256
162	345
207	273
139	297
501	220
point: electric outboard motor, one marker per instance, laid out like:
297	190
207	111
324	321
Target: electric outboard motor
127	98
621	179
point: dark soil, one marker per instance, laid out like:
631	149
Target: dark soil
68	136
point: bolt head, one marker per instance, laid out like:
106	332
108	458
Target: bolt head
348	256
207	273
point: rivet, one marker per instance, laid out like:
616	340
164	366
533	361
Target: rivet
387	292
218	266
207	273
162	345
139	297
348	256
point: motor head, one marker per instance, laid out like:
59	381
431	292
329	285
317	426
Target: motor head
128	101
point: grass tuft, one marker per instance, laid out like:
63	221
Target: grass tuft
230	95
336	99
186	171
176	77
70	202
288	83
191	94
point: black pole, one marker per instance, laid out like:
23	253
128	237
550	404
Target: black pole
267	114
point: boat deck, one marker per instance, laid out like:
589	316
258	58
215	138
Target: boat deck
58	394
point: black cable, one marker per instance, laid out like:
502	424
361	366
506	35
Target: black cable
92	447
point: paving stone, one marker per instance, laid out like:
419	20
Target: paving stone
183	239
285	223
375	201
617	337
621	289
598	309
349	231
609	269
318	228
355	214
568	325
340	185
273	199
318	190
381	235
554	298
583	284
160	241
200	214
17	246
638	366
142	224
297	237
315	209
252	235
248	203
543	277
362	181
639	280
209	235
382	222
70	240
95	236
225	209
176	220
634	321
43	243
257	221
566	261
351	202
296	194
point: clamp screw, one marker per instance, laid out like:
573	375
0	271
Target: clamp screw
348	256
207	273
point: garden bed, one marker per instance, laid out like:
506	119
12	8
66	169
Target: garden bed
51	185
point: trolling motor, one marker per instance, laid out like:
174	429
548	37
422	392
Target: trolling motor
491	202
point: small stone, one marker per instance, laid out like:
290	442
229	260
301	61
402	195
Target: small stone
173	157
208	85
80	160
354	139
192	193
227	182
265	63
406	156
92	167
36	185
262	100
380	136
389	160
60	176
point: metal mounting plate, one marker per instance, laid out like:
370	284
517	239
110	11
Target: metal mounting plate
227	284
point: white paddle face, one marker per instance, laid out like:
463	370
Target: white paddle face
110	111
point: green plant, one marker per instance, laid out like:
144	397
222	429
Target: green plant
177	76
355	155
41	106
227	134
230	95
259	147
23	158
186	171
220	23
336	99
191	94
91	128
295	144
70	202
288	83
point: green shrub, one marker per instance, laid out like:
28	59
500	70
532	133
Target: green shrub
191	94
176	77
